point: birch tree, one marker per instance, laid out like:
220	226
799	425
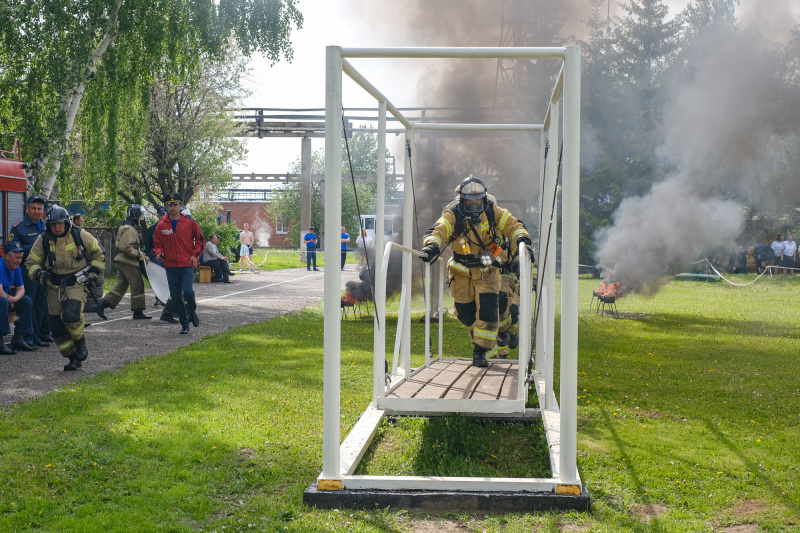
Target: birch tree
53	50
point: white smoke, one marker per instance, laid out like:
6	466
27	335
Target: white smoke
262	231
718	126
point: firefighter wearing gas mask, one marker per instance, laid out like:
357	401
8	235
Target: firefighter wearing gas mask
67	260
128	262
476	228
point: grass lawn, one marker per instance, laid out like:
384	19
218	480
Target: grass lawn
278	259
687	421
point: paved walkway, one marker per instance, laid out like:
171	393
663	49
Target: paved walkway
120	339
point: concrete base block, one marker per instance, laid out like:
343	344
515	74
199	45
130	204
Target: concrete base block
446	502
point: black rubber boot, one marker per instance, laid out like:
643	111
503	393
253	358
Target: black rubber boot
82	353
503	338
479	357
73	364
139	315
513	341
99	309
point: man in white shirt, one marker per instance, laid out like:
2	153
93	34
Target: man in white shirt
789	251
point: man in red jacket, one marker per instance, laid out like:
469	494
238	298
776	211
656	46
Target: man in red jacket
178	243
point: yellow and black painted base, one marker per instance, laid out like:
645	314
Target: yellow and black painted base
447	501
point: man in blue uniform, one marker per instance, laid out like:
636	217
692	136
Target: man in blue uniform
26	231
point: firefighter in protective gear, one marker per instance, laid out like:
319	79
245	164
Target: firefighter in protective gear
128	262
66	259
475	227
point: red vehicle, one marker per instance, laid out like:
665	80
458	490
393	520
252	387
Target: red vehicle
13	188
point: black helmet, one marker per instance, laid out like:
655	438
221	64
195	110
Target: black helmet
58	214
135	212
472	199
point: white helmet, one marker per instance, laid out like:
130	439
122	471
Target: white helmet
472	196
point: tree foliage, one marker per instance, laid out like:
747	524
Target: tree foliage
285	204
55	49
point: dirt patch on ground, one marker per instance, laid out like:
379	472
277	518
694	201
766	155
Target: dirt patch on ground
749	509
648	511
573	528
741	528
437	526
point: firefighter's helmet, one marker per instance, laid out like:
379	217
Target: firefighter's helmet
58	214
472	198
135	212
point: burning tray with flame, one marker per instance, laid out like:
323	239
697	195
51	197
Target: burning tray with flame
606	294
349	302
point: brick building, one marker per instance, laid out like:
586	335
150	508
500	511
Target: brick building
268	232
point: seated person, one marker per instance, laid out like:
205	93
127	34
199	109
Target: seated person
737	263
217	261
12	298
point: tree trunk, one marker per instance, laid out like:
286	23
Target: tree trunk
73	103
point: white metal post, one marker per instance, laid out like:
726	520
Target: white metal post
378	382
540	311
442	270
408	242
552	256
569	265
525	267
427	314
333	276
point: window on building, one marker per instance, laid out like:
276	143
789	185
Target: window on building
281	227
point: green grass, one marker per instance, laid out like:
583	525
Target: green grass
687	421
279	259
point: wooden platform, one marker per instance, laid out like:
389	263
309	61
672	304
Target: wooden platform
459	380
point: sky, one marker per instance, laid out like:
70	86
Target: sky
348	23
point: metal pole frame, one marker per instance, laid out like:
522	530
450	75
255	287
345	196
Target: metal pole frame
565	474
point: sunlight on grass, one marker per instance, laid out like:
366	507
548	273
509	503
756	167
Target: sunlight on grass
687	421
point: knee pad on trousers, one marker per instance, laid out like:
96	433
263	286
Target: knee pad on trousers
466	313
488	312
71	311
514	313
503	303
57	326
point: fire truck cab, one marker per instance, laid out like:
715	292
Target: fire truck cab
13	188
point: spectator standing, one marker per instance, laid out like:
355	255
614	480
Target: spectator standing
789	251
216	260
178	242
127	262
247	239
777	251
345	242
13	298
310	240
364	241
26	231
78	220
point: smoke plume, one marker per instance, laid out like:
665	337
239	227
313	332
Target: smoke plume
262	231
717	131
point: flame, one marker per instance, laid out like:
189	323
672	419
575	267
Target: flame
348	299
609	290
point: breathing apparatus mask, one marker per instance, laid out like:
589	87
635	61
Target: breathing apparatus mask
472	200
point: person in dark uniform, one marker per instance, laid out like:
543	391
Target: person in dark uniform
68	260
26	231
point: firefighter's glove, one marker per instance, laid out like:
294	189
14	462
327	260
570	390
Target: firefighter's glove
42	276
430	251
527	242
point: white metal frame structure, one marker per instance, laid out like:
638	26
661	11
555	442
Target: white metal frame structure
559	417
